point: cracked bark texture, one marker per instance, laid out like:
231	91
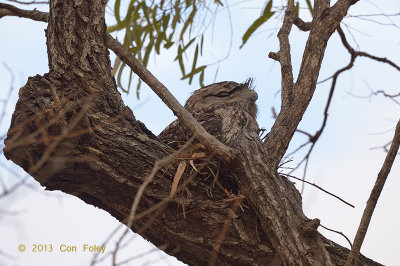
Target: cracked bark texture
72	132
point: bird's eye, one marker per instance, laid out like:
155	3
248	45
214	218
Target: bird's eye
223	94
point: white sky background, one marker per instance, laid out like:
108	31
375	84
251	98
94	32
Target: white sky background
342	161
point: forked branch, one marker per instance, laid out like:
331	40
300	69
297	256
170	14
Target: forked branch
297	96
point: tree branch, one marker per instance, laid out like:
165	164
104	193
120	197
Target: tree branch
302	25
373	198
284	56
10	10
325	21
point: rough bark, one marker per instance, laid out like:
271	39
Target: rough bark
297	95
72	132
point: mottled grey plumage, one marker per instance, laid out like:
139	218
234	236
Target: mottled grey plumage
225	109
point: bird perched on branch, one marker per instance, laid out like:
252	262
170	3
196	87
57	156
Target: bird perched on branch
225	109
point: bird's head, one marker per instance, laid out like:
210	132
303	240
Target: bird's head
224	94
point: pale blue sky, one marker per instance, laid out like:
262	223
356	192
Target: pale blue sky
342	161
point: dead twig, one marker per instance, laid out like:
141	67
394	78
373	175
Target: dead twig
320	188
337	232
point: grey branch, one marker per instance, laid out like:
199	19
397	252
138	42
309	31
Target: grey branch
10	10
373	198
297	96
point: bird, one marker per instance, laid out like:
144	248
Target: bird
227	110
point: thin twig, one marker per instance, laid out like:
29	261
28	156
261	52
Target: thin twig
337	232
320	188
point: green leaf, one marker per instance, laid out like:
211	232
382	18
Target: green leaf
188	22
181	65
130	80
119	77
197	70
116	11
158	42
182	50
267	14
128	18
187	45
165	21
180	60
310	7
115	27
156	23
196	53
146	13
201	79
177	15
297	8
138	88
147	53
168	44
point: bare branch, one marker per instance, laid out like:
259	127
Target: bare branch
325	21
284	56
10	10
373	198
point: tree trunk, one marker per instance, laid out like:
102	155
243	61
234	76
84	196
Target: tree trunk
72	132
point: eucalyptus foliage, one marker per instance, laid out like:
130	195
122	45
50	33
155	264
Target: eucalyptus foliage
151	25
